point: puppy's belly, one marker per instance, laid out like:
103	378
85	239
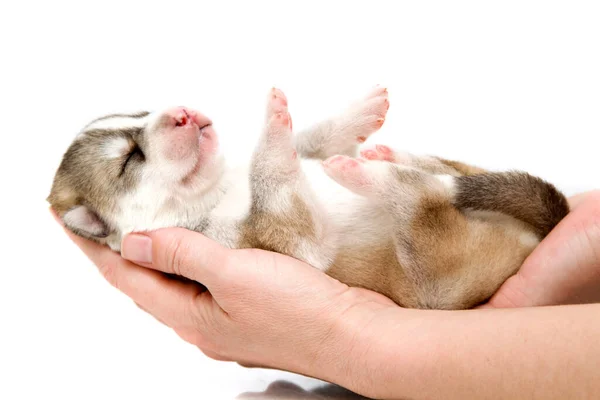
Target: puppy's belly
354	220
365	254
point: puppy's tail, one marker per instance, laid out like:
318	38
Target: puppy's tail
518	194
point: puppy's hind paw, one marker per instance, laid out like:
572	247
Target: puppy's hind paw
356	174
367	115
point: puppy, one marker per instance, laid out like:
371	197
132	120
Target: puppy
424	231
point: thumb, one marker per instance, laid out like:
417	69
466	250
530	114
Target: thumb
177	251
564	268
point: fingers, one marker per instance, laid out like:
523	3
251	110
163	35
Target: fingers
178	251
581	198
565	267
166	299
214	356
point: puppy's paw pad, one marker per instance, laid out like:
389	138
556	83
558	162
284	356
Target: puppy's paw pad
278	96
280	121
277	102
341	162
347	171
378	152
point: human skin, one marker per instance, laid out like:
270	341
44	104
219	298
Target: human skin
270	310
565	267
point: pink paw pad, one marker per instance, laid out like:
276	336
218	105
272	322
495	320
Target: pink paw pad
278	95
369	154
347	171
277	101
282	118
347	164
379	152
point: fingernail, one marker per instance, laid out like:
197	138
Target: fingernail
137	248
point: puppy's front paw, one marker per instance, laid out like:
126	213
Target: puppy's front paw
277	110
278	131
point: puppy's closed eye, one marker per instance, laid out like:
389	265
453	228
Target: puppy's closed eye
135	154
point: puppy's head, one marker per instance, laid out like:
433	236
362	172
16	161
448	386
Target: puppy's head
139	171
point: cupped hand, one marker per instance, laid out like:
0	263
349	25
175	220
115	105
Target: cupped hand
565	267
261	308
267	309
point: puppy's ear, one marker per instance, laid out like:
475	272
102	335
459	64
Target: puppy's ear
85	222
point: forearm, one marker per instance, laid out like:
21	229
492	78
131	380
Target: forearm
549	352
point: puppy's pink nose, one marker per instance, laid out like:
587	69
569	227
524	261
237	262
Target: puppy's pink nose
182	116
178	116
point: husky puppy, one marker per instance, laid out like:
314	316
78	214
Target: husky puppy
424	231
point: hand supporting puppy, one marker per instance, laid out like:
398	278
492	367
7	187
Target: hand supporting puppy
565	267
271	310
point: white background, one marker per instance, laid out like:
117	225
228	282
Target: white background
512	84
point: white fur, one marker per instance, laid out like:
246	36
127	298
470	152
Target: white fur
336	210
117	123
343	211
116	147
529	239
158	203
448	182
82	219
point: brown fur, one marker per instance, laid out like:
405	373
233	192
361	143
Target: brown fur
437	165
278	232
462	261
441	257
462	168
457	261
518	194
374	267
81	178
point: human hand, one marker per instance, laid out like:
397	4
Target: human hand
270	310
261	308
565	267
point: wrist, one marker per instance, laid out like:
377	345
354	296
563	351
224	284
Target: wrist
386	351
365	350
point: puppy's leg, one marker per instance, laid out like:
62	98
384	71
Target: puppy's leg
344	133
431	164
400	188
285	216
451	261
275	163
517	194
